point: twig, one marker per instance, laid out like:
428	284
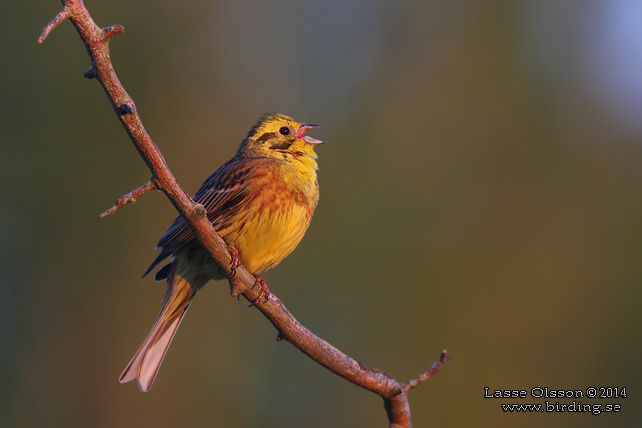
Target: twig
130	198
434	368
96	41
62	15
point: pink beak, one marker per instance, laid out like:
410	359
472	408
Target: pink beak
301	134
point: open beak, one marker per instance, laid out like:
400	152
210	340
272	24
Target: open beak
301	134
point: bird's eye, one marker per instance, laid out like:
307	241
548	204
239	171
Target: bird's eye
284	130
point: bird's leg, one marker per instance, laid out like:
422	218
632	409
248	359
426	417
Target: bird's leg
235	262
265	292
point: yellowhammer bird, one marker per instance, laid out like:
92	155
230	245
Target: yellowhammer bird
260	202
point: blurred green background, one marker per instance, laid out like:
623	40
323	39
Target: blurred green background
481	191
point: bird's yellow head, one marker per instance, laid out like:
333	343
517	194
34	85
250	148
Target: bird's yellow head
279	136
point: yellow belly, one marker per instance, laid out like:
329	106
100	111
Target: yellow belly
270	225
267	240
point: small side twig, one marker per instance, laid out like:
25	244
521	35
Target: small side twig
113	30
434	368
62	15
129	198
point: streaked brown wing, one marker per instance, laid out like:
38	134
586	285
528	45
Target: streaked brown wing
221	192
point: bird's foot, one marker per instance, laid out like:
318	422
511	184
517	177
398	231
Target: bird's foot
265	291
235	262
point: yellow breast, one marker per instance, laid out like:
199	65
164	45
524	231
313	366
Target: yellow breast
271	223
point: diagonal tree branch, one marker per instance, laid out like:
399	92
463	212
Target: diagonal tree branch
96	41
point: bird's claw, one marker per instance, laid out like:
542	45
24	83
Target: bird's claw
265	291
235	261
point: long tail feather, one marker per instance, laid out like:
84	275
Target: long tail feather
145	363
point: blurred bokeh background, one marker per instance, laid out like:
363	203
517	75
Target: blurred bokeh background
481	192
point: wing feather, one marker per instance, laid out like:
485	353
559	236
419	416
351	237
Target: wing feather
225	189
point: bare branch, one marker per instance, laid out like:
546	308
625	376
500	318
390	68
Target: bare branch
434	368
129	198
62	15
96	41
112	31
